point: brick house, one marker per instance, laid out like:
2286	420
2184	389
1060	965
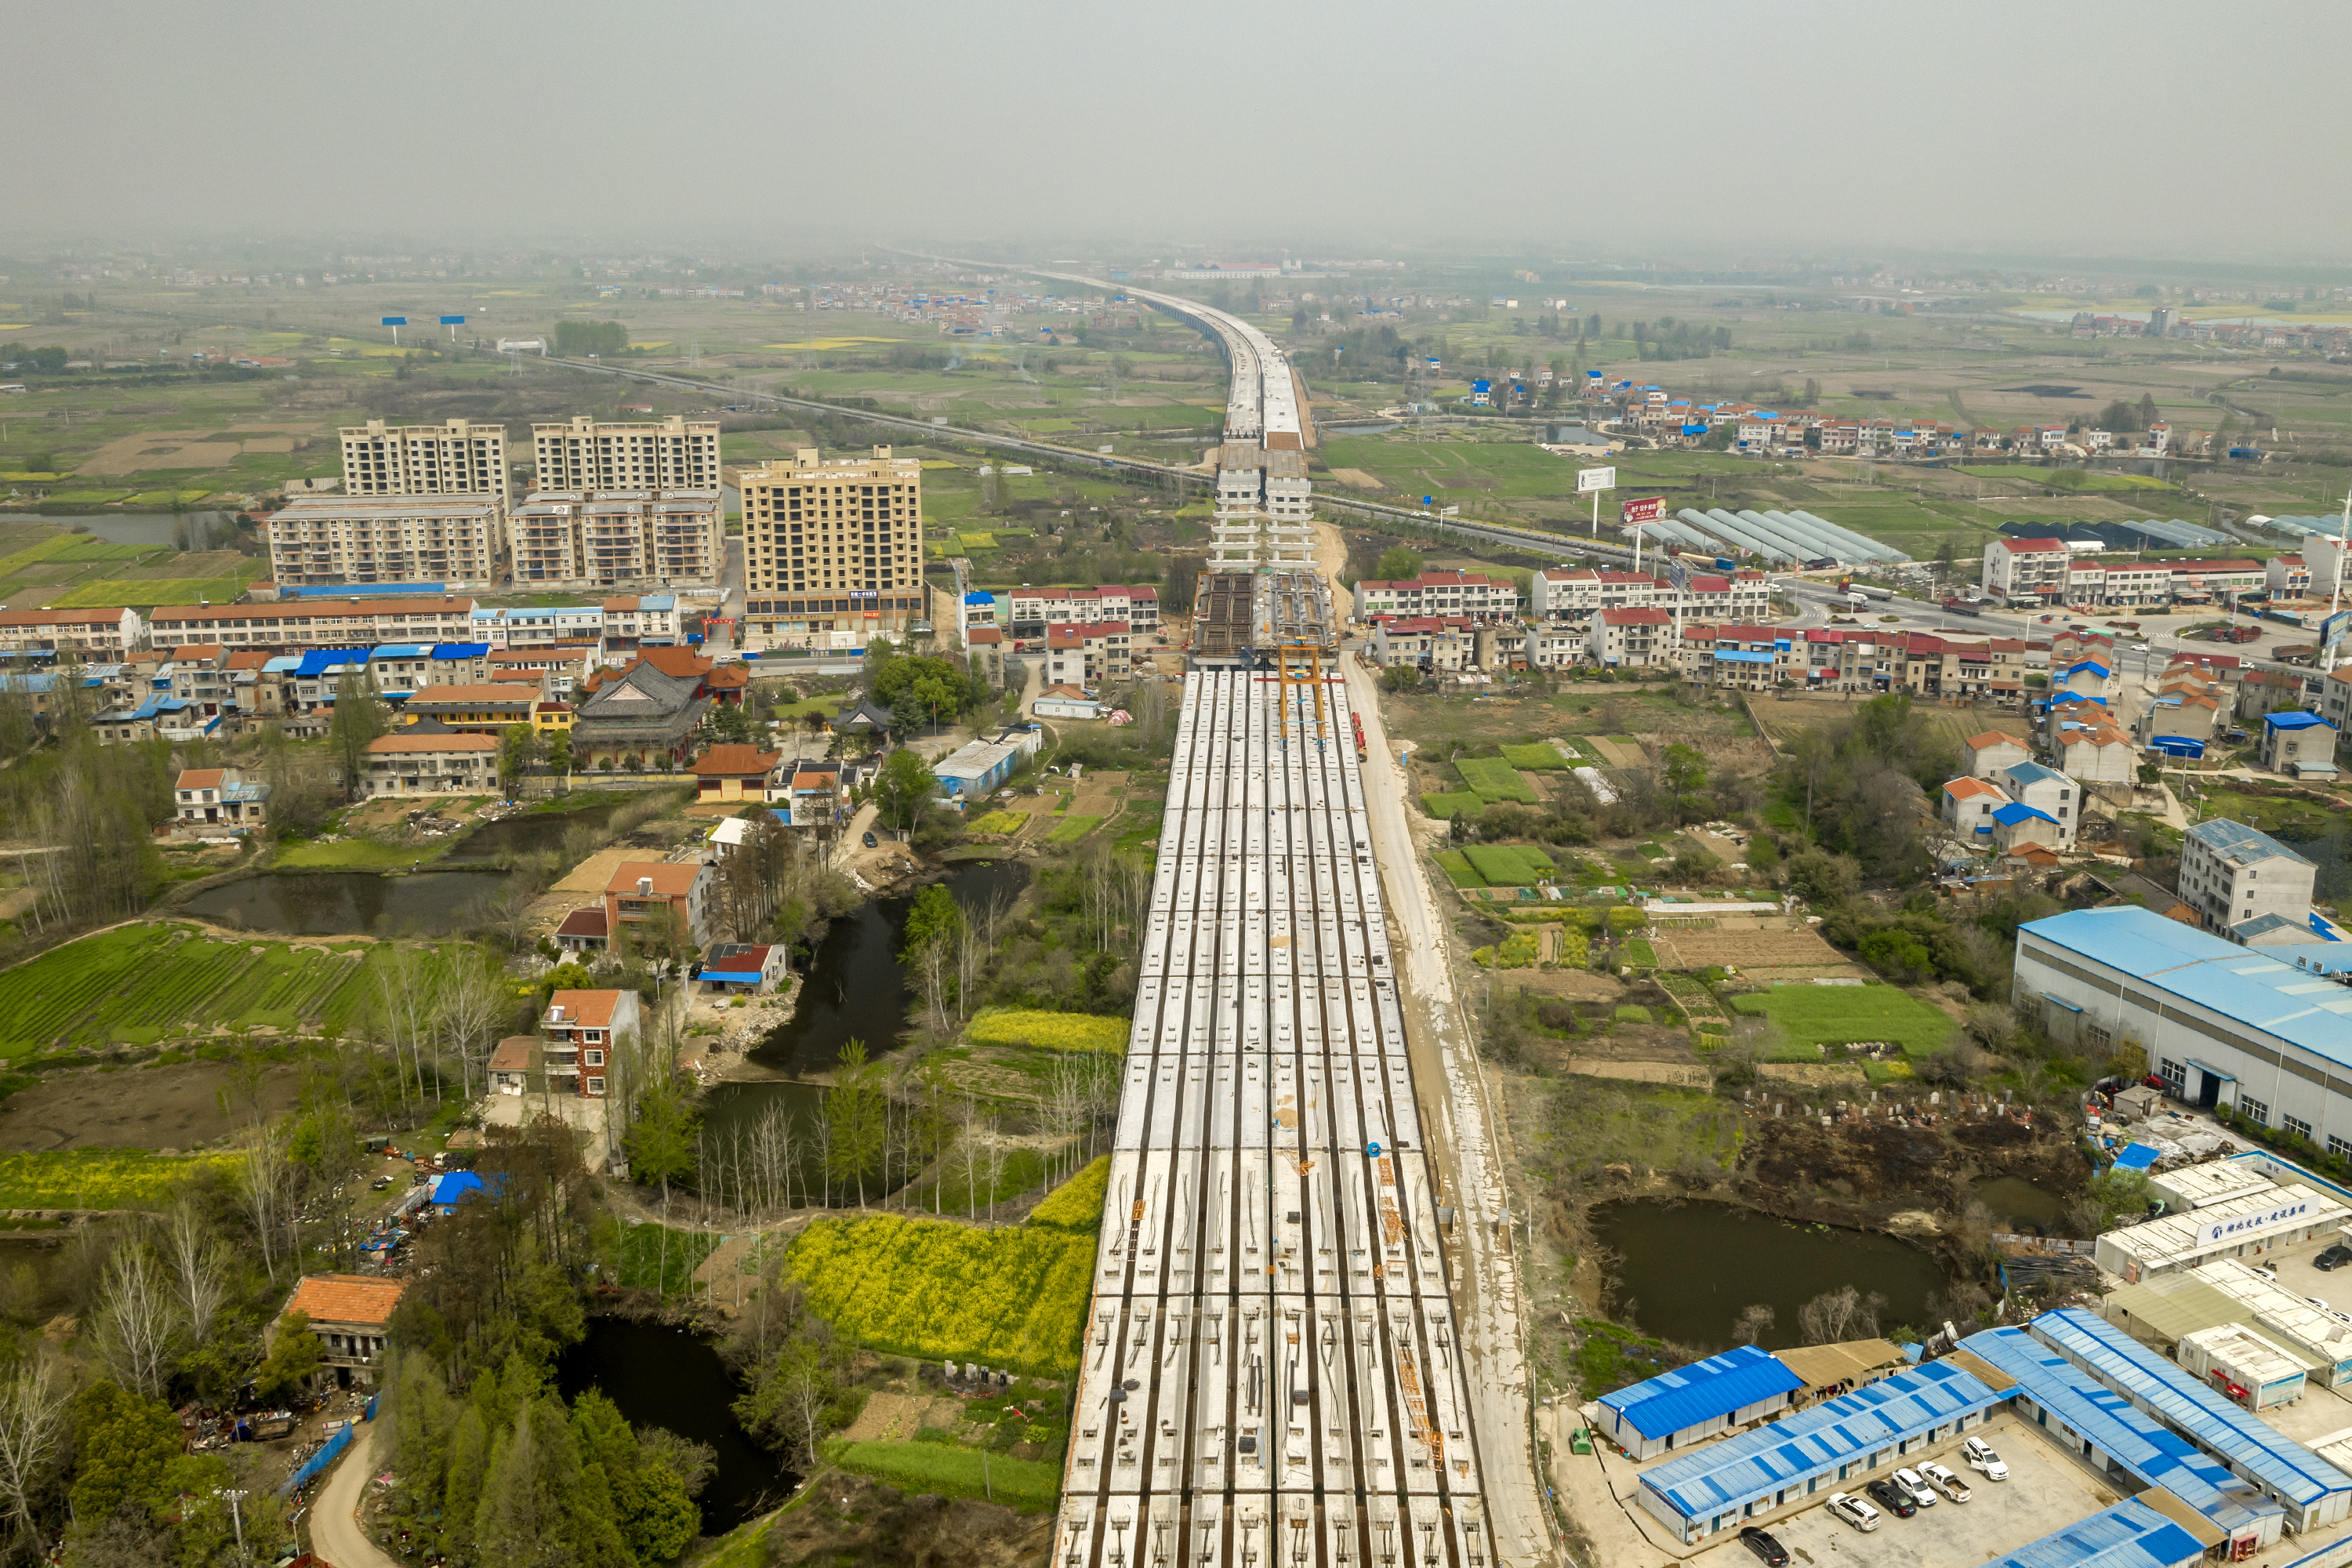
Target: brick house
639	887
351	1316
579	1030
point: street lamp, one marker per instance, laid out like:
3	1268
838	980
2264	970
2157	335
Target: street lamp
236	1519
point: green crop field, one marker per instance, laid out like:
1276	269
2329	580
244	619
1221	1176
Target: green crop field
1073	827
1458	869
1810	1016
97	1178
1443	804
138	985
932	1288
1495	779
1030	1486
1510	866
1542	758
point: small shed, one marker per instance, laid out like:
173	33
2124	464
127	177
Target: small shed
742	969
514	1061
1825	1372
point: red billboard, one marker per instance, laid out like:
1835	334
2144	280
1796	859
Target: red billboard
1648	511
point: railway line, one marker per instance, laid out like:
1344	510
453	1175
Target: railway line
1272	1371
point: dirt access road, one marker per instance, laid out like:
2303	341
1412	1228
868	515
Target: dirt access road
1487	1293
335	1533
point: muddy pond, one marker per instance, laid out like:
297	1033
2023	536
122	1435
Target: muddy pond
350	904
1686	1269
665	1376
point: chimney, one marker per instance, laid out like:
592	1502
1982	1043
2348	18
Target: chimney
645	886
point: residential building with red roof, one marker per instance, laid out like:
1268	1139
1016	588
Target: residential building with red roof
205	797
1426	642
1968	804
1467	594
1029	612
1632	638
2025	571
580	1030
404	763
637	888
95	634
1983	756
1083	653
351	1316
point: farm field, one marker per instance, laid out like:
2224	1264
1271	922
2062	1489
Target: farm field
1047	1031
1078	1203
97	1178
918	1467
1747	951
1494	779
1810	1016
1512	866
932	1288
146	983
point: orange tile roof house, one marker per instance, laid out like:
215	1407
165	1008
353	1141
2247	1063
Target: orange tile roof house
405	763
639	887
351	1313
207	795
733	773
581	1028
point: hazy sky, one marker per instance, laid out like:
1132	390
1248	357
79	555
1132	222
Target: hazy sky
2080	129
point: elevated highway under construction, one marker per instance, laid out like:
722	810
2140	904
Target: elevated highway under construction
1273	1372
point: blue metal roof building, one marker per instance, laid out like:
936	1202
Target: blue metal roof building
1677	1408
2118	1436
2129	1535
1726	1483
2213	1015
2314	1491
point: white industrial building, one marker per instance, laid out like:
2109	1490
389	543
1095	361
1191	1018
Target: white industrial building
2266	1032
2244	1226
2246	1366
2216	1181
2312	1332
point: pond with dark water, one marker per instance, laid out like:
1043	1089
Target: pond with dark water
1686	1269
532	833
855	989
665	1376
350	904
2022	1205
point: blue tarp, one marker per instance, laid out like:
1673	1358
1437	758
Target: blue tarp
2176	745
2138	1157
460	649
318	661
457	1185
728	977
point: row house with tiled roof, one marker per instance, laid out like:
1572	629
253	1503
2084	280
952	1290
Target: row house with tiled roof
1469	593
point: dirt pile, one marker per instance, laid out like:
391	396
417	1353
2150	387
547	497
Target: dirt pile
880	1527
1863	1170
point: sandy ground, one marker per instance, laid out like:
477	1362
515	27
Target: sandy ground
1680	1074
166	1108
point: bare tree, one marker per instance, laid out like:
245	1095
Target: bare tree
1755	1320
269	1191
202	1269
471	1007
136	1320
1062	1113
1836	1316
32	1424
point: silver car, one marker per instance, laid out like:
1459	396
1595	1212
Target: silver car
1854	1510
1921	1493
1978	1456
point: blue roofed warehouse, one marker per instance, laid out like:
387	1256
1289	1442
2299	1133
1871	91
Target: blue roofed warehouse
1677	1408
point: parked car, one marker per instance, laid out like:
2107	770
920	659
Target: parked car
2139	647
1978	1456
380	1183
871	842
1892	1497
1908	1480
1854	1510
2334	1257
1944	1481
2318	1303
1773	1553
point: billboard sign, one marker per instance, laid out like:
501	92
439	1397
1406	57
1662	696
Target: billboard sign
2332	630
453	321
1590	480
396	321
1646	510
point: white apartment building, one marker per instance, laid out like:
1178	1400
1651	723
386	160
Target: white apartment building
536	626
1577	590
2231	873
641	620
402	764
586	454
1029	611
114	631
1437	593
328	540
1632	638
2025	569
833	549
456	458
608	538
2047	791
315	623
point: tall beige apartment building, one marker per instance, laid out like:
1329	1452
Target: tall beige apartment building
833	548
390	538
586	454
456	458
670	538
